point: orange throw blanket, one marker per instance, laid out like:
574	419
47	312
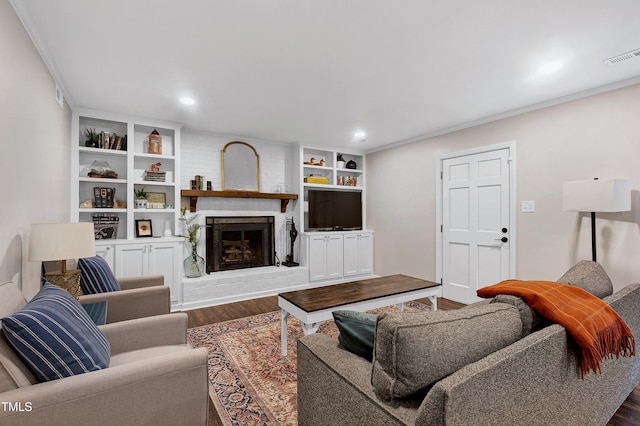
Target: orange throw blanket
594	325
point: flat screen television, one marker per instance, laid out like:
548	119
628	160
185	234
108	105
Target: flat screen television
334	210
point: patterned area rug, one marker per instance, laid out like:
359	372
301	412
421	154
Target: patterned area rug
250	382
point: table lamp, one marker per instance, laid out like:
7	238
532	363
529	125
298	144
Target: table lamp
597	195
59	242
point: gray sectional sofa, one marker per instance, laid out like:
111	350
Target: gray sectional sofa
531	379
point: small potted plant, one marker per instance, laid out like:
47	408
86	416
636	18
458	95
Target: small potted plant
340	161
92	137
141	198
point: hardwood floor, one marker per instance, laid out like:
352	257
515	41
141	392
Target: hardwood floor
627	415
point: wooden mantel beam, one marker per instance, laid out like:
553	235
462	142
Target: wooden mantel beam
194	194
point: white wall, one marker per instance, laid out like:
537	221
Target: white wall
34	150
598	136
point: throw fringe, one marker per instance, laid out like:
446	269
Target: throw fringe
614	340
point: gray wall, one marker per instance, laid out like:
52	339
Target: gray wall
34	150
597	136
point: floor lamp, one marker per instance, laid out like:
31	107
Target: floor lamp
62	241
597	195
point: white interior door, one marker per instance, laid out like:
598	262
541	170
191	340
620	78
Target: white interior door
476	228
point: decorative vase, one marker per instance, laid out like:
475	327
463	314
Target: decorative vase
140	203
341	164
194	264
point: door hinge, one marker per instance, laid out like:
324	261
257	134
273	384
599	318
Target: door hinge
441	281
441	228
441	175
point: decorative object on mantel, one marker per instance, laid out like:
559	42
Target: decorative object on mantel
194	263
351	165
194	194
240	167
340	161
198	183
141	198
155	142
293	234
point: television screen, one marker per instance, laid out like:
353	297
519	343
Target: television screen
335	210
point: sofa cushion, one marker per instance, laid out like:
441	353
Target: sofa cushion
96	276
531	320
55	337
357	331
590	276
415	350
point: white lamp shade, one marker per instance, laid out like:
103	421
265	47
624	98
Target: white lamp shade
61	241
602	195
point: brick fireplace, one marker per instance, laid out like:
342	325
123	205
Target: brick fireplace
239	242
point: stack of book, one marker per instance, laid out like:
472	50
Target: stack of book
103	197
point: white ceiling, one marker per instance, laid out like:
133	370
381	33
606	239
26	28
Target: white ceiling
315	71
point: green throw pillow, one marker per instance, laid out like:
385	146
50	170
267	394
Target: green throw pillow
357	332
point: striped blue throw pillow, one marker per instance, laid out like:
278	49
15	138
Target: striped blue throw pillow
96	276
55	337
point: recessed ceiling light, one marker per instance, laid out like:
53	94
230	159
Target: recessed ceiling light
359	135
550	67
187	101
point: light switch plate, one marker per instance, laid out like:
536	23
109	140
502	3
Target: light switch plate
528	207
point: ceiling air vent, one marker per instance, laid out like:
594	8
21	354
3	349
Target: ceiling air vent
623	57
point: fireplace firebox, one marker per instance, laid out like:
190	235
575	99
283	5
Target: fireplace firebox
239	242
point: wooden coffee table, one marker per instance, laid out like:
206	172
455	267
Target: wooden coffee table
314	305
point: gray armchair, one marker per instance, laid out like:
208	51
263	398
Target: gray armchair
154	377
138	297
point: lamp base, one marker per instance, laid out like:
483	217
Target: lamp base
68	280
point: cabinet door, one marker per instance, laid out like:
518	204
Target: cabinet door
334	256
358	254
164	260
365	253
132	260
108	254
351	254
317	257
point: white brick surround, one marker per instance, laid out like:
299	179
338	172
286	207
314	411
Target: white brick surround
201	155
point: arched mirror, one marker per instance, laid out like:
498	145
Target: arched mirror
240	167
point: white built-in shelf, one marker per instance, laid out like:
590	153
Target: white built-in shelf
94	210
101	180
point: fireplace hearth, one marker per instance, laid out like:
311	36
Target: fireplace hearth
239	242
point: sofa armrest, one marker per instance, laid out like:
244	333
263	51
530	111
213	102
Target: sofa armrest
130	304
159	330
129	283
169	389
334	387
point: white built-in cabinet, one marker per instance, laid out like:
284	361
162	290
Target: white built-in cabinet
358	254
128	255
335	256
338	255
325	256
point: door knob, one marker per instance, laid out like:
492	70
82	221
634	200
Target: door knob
504	230
504	239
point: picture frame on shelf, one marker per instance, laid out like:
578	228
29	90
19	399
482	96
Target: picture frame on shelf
156	200
143	228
